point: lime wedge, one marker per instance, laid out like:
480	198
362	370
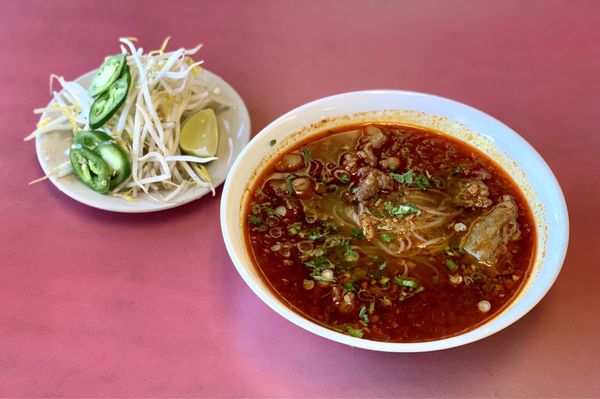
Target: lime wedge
200	134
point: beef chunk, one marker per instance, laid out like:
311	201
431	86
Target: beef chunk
372	182
373	137
490	233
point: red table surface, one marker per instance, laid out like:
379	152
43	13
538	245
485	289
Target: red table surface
94	303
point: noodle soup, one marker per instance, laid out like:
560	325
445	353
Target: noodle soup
390	233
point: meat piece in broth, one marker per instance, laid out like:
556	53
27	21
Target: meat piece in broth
373	181
470	193
490	233
372	140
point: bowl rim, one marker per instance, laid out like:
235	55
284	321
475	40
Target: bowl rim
464	338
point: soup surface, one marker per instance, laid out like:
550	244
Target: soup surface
390	233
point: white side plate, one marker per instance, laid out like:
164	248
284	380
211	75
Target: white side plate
234	128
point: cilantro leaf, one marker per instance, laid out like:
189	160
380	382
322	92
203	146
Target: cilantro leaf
422	182
318	263
402	210
344	178
358	233
349	251
404	178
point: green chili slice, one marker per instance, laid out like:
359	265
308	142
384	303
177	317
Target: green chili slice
89	168
107	74
91	138
109	102
119	166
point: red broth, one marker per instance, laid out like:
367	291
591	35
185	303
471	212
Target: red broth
390	233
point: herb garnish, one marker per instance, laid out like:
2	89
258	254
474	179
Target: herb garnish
451	265
363	314
409	178
402	210
307	154
404	178
254	219
382	266
350	253
387	237
273	142
288	182
355	332
344	178
404	282
422	182
349	286
358	233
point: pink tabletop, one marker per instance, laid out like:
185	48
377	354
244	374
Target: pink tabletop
94	303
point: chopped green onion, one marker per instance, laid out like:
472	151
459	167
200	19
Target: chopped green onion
371	307
406	282
293	230
382	266
363	314
451	265
254	219
355	332
344	178
288	182
307	154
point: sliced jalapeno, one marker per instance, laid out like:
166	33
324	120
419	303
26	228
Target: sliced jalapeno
89	168
119	167
91	138
109	102
107	74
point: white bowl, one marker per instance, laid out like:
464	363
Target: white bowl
492	137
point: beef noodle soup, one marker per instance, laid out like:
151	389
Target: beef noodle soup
390	233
